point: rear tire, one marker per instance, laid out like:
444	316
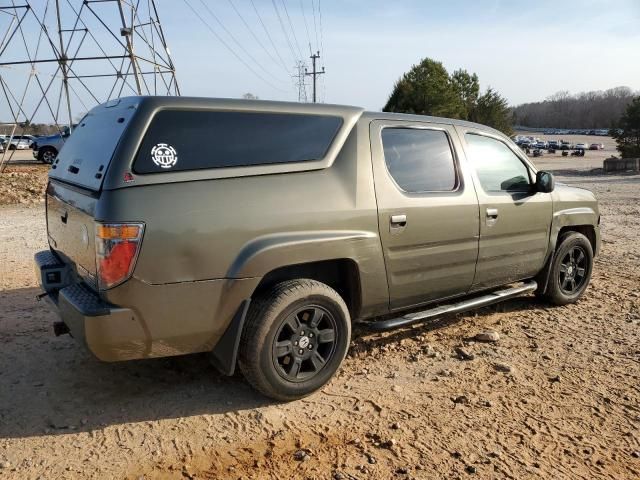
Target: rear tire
295	338
571	269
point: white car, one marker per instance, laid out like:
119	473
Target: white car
21	142
580	146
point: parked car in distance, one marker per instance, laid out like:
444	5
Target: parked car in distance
565	145
46	148
596	146
541	144
20	142
160	245
580	146
553	145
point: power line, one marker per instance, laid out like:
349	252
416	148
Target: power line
215	17
321	39
261	43
226	45
269	36
306	27
292	29
315	23
284	30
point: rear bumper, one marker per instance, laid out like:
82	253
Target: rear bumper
164	320
110	332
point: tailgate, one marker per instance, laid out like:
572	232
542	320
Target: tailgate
70	227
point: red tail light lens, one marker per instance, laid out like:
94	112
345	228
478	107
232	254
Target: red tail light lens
117	248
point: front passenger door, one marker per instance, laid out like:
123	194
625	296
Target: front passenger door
515	220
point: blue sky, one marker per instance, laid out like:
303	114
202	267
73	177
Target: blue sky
526	50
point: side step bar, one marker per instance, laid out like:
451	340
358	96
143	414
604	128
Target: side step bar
433	313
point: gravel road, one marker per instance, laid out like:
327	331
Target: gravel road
557	396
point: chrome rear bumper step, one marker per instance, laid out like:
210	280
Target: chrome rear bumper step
469	304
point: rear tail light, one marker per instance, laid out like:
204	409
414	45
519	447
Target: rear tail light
117	248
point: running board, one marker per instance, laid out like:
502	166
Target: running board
476	302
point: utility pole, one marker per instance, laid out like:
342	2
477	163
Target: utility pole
315	72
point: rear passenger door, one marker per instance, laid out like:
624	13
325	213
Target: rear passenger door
427	211
514	218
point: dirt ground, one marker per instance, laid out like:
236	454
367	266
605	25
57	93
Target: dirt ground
24	179
558	396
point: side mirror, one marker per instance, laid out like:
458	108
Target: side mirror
545	182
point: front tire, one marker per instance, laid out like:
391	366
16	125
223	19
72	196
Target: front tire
295	338
47	155
571	269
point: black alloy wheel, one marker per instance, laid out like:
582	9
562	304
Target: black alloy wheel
304	343
573	270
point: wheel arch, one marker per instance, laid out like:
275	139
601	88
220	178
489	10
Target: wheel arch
588	230
341	274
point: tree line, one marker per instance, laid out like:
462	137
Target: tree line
592	110
28	128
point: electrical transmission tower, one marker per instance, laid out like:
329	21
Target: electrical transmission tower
300	83
59	58
314	73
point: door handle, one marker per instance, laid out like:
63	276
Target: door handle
398	220
492	213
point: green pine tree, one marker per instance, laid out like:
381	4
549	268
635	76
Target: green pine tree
428	89
627	133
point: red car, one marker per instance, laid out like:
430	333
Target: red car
596	146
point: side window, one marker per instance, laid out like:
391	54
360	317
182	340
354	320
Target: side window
419	160
180	140
498	168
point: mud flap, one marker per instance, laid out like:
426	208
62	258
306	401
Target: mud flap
543	277
225	353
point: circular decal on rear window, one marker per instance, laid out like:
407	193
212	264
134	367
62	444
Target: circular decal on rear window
165	156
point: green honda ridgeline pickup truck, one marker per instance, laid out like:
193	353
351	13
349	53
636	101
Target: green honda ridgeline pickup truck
259	231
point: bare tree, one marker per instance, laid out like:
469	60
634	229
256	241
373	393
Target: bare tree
593	110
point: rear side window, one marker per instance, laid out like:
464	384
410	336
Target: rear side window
419	160
194	140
